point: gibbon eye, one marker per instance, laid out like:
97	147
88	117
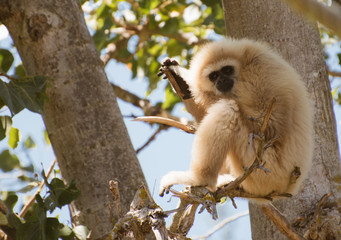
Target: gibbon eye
227	70
213	76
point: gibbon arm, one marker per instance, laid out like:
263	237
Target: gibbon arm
210	148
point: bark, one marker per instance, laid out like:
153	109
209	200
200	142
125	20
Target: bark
82	117
299	42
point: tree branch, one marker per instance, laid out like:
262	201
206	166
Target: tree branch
152	138
328	16
222	224
280	221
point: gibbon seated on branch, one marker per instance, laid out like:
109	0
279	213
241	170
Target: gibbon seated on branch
234	81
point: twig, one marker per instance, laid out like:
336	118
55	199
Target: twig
115	193
222	224
280	221
170	122
149	140
148	108
257	162
313	230
334	73
33	198
328	16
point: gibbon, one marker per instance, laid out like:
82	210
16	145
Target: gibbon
234	81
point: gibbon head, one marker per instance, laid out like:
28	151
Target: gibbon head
215	69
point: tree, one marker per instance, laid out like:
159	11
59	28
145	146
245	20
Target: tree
299	42
82	117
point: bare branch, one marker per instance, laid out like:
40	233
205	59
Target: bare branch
222	224
185	127
334	73
148	108
33	198
280	221
328	16
313	230
152	138
144	216
115	193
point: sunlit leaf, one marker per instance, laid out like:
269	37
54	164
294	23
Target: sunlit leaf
46	137
14	138
81	232
8	161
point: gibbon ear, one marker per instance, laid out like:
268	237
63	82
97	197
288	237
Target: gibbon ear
250	56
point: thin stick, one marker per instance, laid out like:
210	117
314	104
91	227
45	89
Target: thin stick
33	198
167	121
280	221
149	140
267	116
222	224
115	193
256	164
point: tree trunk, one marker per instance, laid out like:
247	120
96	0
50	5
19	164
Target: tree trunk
299	42
82	116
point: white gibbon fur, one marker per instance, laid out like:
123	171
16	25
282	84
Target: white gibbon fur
234	80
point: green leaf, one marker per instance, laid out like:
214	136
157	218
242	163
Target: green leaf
20	71
3	219
10	200
6	60
28	188
339	56
171	26
5	126
14	137
60	194
30	230
24	93
29	143
8	161
53	228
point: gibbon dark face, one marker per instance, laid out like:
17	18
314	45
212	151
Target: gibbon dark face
223	78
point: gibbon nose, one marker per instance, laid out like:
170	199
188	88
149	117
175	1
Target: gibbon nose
224	84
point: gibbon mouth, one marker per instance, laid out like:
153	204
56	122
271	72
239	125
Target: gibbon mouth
225	84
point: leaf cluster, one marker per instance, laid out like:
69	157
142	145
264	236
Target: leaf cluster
141	33
36	225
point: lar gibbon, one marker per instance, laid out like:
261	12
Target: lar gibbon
234	81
